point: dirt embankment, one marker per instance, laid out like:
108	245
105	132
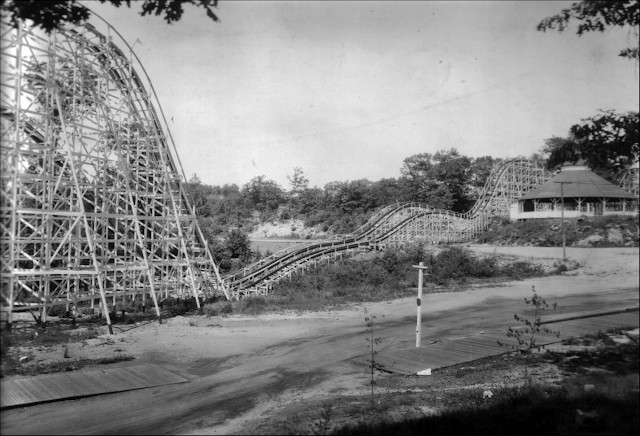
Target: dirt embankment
603	231
286	229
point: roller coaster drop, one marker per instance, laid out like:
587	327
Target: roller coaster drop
93	203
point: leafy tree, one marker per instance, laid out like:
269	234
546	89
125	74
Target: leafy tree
238	245
419	181
608	143
609	140
454	170
479	173
49	14
200	196
441	179
560	150
299	183
538	158
387	191
350	197
599	15
263	195
310	201
211	229
436	195
480	170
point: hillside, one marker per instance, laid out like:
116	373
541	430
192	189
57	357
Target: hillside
603	231
289	229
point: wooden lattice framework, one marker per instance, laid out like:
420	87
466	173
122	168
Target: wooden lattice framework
630	181
93	203
507	182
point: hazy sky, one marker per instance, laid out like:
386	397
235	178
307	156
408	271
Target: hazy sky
348	90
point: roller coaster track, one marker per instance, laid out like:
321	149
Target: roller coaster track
398	224
630	181
93	201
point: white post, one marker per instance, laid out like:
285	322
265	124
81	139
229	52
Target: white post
421	269
564	240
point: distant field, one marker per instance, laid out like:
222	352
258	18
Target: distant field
274	245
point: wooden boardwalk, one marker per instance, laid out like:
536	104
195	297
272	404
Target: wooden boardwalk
65	385
439	354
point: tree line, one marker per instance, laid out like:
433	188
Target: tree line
446	179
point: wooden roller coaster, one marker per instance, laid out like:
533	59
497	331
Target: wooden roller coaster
93	205
398	224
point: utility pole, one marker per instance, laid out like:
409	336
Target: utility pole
564	240
421	269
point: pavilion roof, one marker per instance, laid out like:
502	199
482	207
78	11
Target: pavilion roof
578	182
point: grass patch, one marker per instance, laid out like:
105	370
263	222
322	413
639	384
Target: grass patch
52	335
12	366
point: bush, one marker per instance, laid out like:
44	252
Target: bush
457	263
384	277
521	270
252	305
59	311
221	308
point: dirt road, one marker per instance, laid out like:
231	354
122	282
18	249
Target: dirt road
241	368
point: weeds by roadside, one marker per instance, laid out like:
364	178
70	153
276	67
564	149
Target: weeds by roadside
527	335
322	425
13	365
53	335
373	342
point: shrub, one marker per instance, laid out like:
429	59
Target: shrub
521	270
387	276
59	311
457	263
220	308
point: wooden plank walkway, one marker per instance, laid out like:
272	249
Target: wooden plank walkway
64	385
439	354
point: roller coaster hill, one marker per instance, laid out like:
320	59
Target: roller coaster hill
404	223
94	206
399	224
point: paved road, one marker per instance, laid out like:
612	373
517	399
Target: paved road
233	385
